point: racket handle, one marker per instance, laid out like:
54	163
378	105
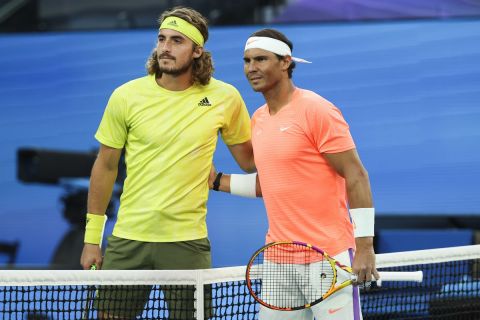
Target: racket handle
414	276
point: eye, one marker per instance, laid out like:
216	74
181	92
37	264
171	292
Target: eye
177	40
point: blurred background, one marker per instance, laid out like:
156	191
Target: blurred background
405	74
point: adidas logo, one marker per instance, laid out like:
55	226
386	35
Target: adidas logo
204	103
173	23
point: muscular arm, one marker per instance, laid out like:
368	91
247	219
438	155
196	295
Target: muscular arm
243	154
348	165
225	182
102	180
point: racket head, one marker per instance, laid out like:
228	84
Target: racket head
290	275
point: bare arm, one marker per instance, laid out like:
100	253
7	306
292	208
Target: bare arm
225	182
348	165
243	154
102	181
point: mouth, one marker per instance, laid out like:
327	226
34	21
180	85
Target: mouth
255	82
254	78
166	58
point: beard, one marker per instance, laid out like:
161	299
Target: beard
174	71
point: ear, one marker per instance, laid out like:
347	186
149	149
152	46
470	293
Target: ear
197	52
286	62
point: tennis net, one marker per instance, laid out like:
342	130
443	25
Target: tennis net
450	290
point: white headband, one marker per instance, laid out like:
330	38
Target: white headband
272	45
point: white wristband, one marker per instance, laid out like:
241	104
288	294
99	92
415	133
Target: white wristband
363	222
243	185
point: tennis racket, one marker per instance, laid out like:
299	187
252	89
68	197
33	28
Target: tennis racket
292	275
90	296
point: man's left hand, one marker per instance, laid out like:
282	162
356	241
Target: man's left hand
364	261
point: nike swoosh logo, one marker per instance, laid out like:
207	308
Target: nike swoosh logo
285	128
332	311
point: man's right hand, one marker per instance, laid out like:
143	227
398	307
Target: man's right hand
91	255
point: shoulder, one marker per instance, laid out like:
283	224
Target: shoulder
315	105
222	94
134	84
216	84
260	112
311	100
122	97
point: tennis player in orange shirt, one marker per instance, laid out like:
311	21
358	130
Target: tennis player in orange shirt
314	185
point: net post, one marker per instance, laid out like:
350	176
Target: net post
199	295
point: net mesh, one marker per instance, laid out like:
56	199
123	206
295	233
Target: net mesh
450	290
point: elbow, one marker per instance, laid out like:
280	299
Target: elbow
364	174
104	166
359	178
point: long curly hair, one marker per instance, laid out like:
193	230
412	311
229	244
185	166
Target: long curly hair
202	69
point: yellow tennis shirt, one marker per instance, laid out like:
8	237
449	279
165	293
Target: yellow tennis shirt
169	139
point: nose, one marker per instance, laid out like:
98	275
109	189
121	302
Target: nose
164	46
250	66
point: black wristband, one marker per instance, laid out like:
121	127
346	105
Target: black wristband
216	183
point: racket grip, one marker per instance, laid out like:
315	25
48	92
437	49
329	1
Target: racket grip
414	276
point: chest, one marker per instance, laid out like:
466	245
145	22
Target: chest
185	120
281	139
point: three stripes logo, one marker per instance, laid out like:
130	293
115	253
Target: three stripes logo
173	23
204	103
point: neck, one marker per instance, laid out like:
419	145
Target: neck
175	82
279	96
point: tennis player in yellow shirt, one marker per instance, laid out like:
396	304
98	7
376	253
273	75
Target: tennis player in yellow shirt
168	123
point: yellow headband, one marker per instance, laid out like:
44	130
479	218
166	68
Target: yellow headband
184	27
